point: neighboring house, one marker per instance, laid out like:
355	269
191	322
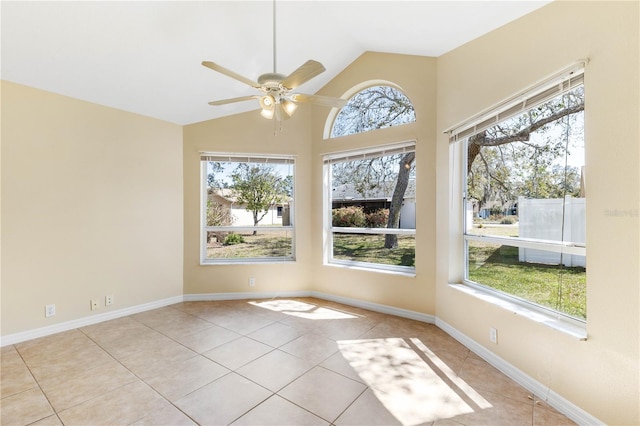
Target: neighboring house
378	198
277	214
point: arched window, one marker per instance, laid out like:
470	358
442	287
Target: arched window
373	108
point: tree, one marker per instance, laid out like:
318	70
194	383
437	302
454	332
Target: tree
404	171
523	155
260	187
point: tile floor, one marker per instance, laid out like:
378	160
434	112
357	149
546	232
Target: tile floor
264	362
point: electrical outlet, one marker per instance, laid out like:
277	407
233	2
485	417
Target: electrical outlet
108	300
493	335
252	282
49	310
93	304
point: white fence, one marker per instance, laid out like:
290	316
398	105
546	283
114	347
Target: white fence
542	219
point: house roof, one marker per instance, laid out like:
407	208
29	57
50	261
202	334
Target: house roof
145	57
349	192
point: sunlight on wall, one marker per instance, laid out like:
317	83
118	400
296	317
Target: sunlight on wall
413	389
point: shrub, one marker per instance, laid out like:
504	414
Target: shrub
508	220
232	239
352	216
377	219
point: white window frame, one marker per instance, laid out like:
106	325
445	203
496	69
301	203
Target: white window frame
548	88
206	157
328	227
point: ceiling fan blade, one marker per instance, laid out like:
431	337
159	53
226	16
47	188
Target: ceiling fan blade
319	100
230	73
304	73
232	100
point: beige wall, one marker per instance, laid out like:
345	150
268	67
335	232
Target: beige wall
600	375
416	76
91	205
247	133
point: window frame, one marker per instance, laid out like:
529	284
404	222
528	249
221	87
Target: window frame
329	230
561	82
205	158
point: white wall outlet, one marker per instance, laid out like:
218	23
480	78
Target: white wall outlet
49	310
93	304
108	300
252	282
493	335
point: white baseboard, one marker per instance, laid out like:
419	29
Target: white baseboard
556	401
384	309
240	295
11	339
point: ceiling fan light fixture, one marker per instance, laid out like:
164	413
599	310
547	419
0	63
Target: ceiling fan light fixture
267	102
267	113
289	107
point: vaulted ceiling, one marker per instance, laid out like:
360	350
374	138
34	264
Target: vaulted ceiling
145	57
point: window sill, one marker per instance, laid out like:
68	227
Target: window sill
369	268
573	329
248	262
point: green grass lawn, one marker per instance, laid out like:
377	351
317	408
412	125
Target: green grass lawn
263	245
553	286
370	248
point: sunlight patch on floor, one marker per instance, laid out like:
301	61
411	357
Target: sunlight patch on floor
413	390
303	310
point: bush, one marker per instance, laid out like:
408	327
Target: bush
232	239
377	219
352	216
509	220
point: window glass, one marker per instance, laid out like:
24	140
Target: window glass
373	108
248	208
372	208
525	228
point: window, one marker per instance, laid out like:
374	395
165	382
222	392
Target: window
370	213
524	232
373	108
247	208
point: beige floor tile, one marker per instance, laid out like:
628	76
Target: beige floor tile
184	377
24	408
482	376
114	329
169	416
172	322
41	350
311	347
275	369
126	344
238	352
344	329
503	411
223	401
48	421
243	323
543	415
66	392
439	341
208	338
367	410
276	334
123	405
337	363
323	392
15	377
277	411
72	364
151	361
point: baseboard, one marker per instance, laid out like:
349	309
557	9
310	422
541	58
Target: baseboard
376	307
550	397
11	339
242	295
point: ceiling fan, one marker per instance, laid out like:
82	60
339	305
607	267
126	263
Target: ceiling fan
276	96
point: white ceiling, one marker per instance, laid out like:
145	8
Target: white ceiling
145	57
